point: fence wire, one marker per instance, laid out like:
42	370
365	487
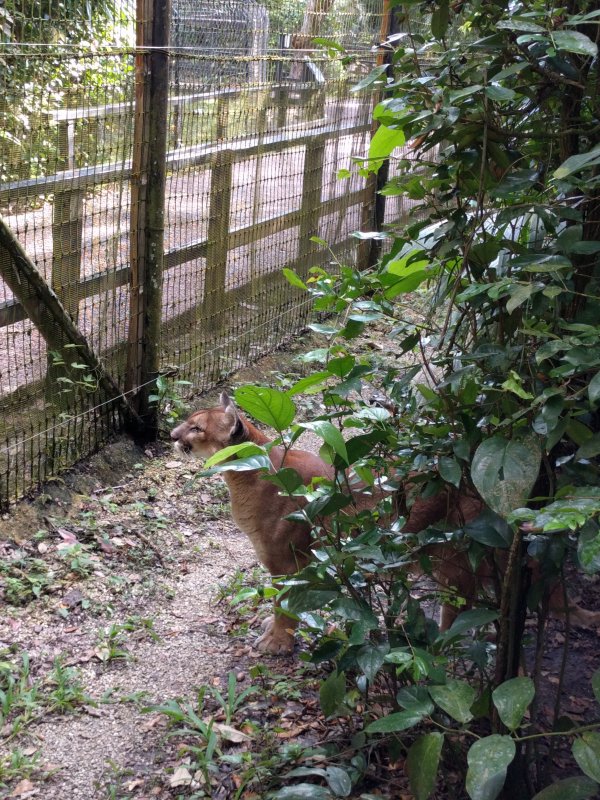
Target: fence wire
260	119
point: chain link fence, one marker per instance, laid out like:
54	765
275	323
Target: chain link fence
158	174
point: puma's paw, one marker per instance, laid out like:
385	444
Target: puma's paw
276	639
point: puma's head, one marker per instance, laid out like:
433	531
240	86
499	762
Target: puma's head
207	431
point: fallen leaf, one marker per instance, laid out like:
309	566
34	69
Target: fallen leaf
181	777
66	535
230	734
174	465
24	788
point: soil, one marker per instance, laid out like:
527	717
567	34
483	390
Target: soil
138	558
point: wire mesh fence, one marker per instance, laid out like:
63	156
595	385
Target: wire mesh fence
166	253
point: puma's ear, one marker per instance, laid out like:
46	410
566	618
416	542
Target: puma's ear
226	402
238	430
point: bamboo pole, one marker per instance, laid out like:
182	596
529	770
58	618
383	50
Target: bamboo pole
49	316
148	183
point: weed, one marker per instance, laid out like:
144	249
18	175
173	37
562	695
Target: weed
111	645
66	692
24	700
17	765
78	558
233	701
23	579
168	398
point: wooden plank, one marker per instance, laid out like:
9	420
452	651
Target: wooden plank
11	311
311	208
200	155
217	245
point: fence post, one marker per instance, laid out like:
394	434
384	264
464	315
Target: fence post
67	229
373	211
217	244
148	204
310	209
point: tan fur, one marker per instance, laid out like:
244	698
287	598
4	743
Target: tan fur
284	546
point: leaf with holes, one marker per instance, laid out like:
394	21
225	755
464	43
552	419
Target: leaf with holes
586	752
422	764
455	698
504	471
512	699
488	760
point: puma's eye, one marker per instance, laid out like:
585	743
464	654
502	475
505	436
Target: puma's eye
196	429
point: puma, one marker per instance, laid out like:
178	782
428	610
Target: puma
284	546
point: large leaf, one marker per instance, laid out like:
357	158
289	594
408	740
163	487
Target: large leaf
450	470
474	618
512	699
488	760
271	406
382	144
332	693
504	471
596	684
586	752
239	450
578	788
577	163
339	781
575	42
400	721
422	764
455	698
302	791
330	434
594	389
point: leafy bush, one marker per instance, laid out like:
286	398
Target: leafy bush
501	107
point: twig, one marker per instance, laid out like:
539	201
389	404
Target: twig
144	539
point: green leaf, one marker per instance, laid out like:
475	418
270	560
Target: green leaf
439	19
339	781
292	278
577	163
519	293
473	618
422	764
370	659
286	479
586	752
239	450
594	389
393	723
504	471
384	141
375	76
301	791
314	381
455	698
578	788
512	698
330	434
332	693
574	42
241	465
588	548
271	406
488	760
450	470
489	529
596	684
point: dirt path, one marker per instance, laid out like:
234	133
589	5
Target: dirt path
139	632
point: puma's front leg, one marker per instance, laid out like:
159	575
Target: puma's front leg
278	633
